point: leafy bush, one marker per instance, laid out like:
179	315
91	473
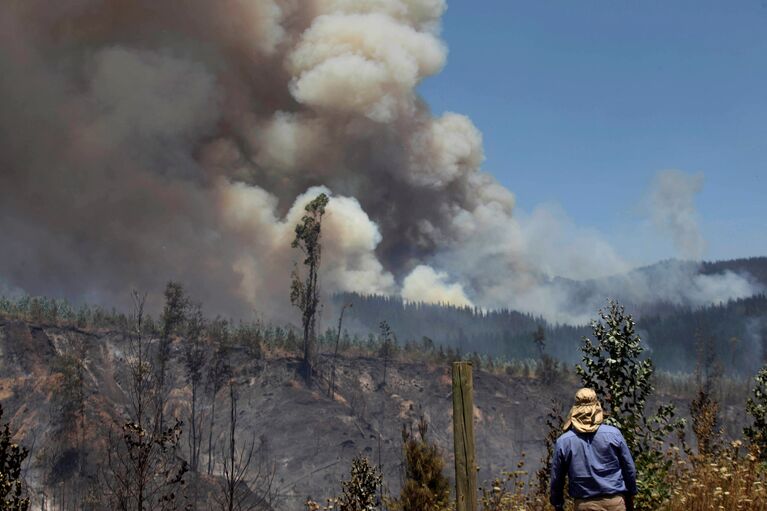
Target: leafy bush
11	488
756	407
360	491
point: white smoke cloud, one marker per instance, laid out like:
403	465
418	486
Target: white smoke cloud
672	203
423	15
564	249
287	142
349	261
449	147
755	341
350	238
544	264
264	20
364	64
424	284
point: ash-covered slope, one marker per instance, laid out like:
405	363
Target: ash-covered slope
305	435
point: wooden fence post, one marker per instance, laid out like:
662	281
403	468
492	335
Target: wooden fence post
463	438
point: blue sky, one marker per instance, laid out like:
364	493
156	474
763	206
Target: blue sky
582	103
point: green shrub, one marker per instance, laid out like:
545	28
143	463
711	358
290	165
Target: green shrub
360	491
756	407
614	368
426	488
11	456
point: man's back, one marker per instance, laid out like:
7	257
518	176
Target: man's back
597	464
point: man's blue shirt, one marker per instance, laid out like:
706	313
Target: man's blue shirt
596	464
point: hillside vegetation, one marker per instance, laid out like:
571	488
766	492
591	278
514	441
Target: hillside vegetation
301	440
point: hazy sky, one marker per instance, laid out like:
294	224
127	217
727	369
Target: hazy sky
582	103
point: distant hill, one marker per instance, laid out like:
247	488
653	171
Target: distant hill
754	266
652	289
672	328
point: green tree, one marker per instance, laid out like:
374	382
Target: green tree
613	366
756	408
304	289
426	488
11	456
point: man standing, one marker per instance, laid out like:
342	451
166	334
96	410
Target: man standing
596	460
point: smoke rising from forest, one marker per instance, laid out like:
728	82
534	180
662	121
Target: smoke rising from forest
672	202
142	141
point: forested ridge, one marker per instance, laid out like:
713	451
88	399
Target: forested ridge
672	331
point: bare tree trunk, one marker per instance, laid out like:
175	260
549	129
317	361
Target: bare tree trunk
232	431
386	365
195	433
335	353
210	434
241	488
194	455
143	470
81	446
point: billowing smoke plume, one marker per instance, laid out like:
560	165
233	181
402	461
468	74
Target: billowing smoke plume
142	141
672	202
425	284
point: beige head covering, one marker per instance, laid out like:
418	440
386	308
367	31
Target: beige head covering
586	414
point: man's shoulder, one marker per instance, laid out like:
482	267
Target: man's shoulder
564	437
606	429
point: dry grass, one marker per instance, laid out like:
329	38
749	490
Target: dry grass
514	491
731	479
